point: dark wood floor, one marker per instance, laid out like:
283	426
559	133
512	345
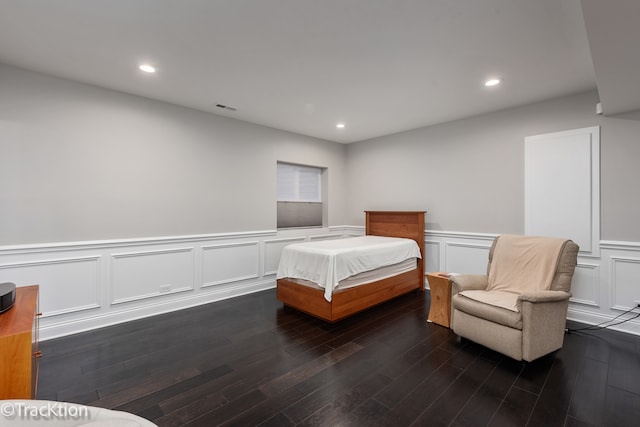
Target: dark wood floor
247	361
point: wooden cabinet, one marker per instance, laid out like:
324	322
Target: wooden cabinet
440	290
19	352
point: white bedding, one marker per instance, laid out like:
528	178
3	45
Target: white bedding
368	276
328	262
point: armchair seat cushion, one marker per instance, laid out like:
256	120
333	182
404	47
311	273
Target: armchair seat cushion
503	299
496	306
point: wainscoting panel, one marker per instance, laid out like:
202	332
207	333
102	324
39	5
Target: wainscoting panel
273	249
141	275
585	287
228	263
87	285
602	288
466	258
432	250
66	284
454	252
625	282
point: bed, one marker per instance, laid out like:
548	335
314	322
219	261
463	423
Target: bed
309	297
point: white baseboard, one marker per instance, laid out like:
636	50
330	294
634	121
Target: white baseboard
55	329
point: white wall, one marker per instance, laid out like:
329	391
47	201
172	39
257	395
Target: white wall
82	163
468	174
162	201
469	177
121	207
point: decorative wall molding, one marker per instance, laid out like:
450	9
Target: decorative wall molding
146	274
585	288
72	284
330	236
468	257
355	230
433	250
624	280
86	285
120	243
272	250
466	236
602	287
622	246
92	285
457	252
230	262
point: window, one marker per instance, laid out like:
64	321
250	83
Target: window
299	196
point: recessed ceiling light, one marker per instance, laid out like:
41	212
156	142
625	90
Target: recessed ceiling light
340	125
493	82
147	68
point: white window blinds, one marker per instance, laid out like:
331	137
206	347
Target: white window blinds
298	183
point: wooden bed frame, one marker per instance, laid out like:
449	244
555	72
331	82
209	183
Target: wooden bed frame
349	301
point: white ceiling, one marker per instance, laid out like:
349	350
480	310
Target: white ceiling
380	66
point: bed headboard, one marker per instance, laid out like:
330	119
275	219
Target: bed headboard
407	224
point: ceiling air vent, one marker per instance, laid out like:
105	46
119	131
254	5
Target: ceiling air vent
226	107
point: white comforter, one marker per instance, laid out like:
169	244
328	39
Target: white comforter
329	261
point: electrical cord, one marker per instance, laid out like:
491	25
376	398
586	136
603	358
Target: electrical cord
604	325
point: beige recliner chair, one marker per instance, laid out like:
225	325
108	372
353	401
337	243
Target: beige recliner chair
519	307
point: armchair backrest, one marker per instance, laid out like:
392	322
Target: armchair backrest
561	257
566	267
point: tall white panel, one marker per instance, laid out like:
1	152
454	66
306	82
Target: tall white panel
562	179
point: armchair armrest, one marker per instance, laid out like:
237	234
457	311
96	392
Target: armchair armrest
544	318
544	296
466	282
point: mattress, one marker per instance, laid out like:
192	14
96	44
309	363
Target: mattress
328	262
367	276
